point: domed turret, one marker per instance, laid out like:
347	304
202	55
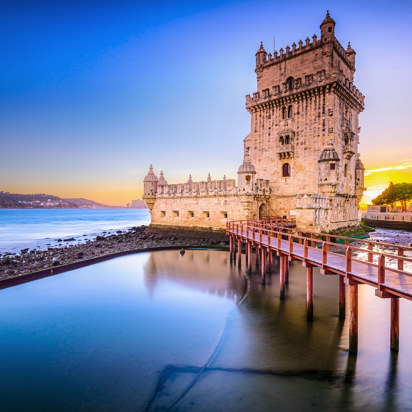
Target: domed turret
351	55
246	176
328	168
261	55
150	188
360	179
162	181
327	28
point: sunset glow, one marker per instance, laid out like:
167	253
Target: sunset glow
92	95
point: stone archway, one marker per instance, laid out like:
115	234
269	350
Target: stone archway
264	212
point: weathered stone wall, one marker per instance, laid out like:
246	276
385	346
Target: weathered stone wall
205	211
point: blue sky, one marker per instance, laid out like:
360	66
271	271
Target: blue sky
93	92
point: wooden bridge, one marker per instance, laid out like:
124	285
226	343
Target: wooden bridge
366	264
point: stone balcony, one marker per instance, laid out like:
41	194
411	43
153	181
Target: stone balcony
286	151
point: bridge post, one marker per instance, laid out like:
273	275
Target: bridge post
269	260
257	254
309	292
249	254
239	249
231	243
342	297
263	265
282	276
395	324
353	317
287	270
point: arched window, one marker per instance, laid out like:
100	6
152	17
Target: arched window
283	112
290	82
289	112
286	170
281	140
287	139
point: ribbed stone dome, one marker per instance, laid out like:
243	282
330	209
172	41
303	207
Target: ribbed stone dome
246	168
162	180
328	20
329	154
151	177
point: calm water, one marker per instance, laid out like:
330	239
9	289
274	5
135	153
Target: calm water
30	228
161	331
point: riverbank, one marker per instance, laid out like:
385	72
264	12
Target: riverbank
139	237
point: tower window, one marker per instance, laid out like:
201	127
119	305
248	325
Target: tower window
346	170
332	166
191	213
283	112
247	179
206	215
287	139
329	29
286	170
175	213
163	213
289	112
290	82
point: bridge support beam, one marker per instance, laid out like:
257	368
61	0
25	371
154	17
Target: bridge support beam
231	243
283	263
249	256
395	324
342	298
257	254
263	264
309	292
353	318
269	260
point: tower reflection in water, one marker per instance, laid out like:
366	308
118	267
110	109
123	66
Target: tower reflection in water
268	341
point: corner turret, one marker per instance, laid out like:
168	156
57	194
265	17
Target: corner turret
246	175
150	188
261	56
328	169
351	56
327	28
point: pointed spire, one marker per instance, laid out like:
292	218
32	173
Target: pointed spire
190	179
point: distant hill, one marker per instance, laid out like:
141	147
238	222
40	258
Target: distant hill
86	203
44	201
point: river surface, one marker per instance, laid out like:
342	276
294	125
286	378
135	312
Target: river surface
42	228
162	331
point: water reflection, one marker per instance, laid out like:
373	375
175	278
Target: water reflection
161	331
199	270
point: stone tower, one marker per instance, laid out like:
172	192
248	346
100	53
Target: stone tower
304	130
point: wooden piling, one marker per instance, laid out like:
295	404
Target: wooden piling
282	276
353	318
342	298
395	324
263	265
309	292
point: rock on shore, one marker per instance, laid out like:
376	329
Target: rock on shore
140	237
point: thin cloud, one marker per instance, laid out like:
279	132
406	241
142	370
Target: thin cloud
405	165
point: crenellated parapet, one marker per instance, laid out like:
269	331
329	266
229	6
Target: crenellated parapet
299	88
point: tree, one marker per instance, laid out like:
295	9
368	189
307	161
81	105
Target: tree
400	192
404	194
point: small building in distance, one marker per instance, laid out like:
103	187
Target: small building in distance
301	156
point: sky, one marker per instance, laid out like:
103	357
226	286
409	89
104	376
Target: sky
93	92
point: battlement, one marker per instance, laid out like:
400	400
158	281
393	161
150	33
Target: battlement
311	81
203	188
